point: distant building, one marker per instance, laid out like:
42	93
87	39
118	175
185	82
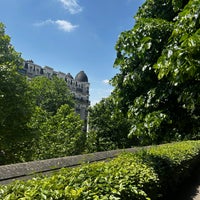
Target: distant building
79	86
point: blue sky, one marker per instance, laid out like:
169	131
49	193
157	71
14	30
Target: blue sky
70	35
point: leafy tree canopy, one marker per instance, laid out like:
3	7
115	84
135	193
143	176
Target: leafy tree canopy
36	117
15	101
50	94
158	83
58	135
108	126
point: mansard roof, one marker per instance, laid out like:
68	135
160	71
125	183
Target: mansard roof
69	76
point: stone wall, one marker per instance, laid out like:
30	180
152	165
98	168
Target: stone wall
27	170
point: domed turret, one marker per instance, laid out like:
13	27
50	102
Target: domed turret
81	77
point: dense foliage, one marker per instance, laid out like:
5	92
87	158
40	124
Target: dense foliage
155	100
37	117
50	94
158	82
156	92
57	127
108	127
147	174
15	103
58	135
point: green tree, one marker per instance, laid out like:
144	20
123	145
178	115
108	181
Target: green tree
108	127
158	83
57	127
36	117
58	135
15	104
50	94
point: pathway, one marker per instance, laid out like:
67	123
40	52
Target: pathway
191	189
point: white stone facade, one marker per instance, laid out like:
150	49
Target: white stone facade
79	86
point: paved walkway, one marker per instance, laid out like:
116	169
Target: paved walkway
197	197
191	189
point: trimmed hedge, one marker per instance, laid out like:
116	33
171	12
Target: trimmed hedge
147	174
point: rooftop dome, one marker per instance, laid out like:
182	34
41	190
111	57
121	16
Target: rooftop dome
81	77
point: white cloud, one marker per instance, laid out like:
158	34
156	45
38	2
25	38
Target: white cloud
106	82
65	25
43	23
61	24
71	5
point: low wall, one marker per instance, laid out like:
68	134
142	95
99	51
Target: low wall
9	173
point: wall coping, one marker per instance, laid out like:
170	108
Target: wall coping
27	170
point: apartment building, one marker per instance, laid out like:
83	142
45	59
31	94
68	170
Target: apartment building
79	86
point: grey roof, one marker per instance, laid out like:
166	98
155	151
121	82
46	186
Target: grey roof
69	76
81	77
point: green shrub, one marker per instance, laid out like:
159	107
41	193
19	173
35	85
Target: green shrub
138	176
122	178
173	162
